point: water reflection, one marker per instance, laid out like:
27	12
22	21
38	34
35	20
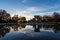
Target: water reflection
56	29
16	27
37	28
4	30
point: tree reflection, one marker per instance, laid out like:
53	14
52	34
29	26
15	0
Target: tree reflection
56	28
16	27
4	30
36	28
46	27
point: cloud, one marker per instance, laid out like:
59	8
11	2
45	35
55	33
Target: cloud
36	8
29	12
23	14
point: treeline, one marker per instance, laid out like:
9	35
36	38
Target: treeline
6	18
55	17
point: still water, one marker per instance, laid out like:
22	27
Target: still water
29	32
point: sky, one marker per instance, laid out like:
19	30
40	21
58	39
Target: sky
29	8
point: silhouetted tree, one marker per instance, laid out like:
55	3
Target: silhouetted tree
56	17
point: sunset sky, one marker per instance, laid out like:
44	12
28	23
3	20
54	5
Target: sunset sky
29	8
